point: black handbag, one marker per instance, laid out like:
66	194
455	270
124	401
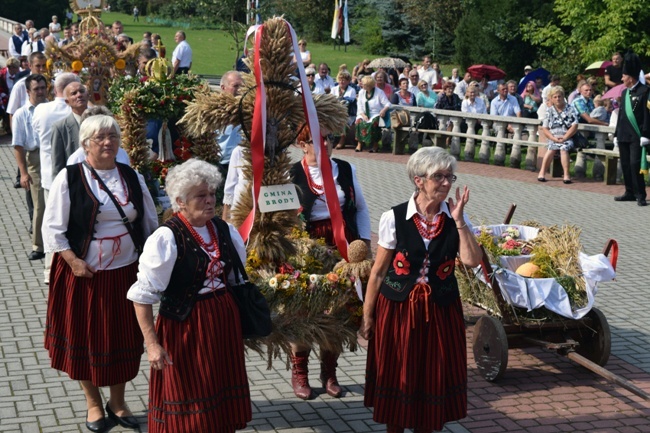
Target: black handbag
254	311
580	141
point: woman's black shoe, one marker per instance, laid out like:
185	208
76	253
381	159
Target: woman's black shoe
124	421
98	426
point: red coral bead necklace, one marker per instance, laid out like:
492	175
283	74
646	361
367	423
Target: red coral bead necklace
429	229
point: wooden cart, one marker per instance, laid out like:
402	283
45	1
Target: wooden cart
586	341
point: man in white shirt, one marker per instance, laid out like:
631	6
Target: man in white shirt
427	73
182	55
18	96
461	87
324	83
504	104
65	132
414	78
15	43
27	154
555	81
44	117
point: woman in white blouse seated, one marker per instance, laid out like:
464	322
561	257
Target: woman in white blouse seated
472	104
91	329
198	379
372	104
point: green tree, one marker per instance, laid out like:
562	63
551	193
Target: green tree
311	19
41	15
583	31
438	20
490	32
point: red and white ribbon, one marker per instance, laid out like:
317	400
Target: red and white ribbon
258	135
258	140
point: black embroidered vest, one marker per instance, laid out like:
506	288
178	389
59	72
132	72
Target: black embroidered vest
84	207
409	255
190	268
308	198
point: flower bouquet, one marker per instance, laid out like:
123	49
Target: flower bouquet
309	302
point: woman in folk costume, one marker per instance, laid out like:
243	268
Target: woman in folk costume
196	351
412	316
91	329
309	179
372	104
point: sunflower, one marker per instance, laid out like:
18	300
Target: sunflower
120	64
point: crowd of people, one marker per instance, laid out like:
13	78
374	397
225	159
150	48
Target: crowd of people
108	262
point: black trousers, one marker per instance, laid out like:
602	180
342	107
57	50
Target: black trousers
630	153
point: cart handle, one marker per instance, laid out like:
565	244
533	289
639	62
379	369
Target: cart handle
611	246
510	213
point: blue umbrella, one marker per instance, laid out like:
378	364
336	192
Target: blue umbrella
532	76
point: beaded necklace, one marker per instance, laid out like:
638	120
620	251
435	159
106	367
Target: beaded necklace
313	186
215	268
429	230
126	191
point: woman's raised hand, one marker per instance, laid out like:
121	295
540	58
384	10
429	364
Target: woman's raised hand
457	207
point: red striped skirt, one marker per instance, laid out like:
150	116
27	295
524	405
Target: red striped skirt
416	377
323	229
206	388
91	331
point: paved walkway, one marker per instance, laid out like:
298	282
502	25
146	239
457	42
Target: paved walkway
541	392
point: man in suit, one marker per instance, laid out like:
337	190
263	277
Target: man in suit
65	132
633	130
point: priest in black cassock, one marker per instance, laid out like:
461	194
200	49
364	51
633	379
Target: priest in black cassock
633	130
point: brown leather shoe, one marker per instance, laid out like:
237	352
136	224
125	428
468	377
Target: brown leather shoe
299	378
328	373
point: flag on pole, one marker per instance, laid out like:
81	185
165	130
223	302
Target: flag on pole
346	27
337	22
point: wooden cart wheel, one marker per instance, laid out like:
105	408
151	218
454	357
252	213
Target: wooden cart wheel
596	341
490	346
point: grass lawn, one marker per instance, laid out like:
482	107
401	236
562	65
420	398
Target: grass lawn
214	51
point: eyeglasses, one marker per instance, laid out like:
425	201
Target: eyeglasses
439	177
103	138
311	75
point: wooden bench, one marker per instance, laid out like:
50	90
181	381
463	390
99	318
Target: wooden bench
610	159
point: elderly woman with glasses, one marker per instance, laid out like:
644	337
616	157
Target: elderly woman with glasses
412	314
310	73
198	378
97	217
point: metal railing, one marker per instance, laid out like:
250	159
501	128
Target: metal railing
494	133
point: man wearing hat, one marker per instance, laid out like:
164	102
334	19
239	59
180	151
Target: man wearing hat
633	130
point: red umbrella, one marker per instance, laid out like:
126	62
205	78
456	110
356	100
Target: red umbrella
614	92
479	71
